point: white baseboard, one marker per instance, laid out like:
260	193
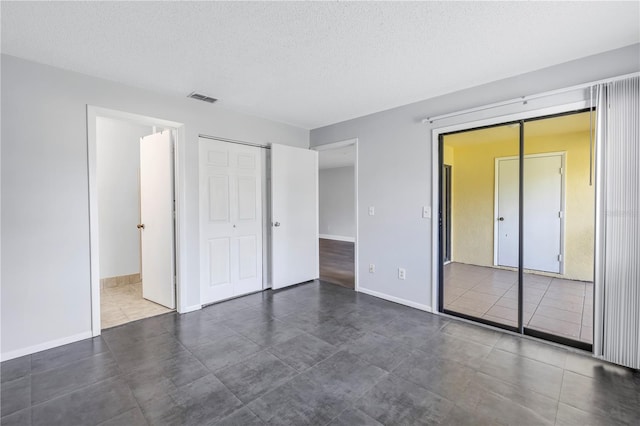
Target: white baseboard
190	309
44	346
338	238
409	303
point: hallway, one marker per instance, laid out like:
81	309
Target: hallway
337	262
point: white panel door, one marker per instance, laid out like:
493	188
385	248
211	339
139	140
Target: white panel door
507	214
542	215
230	220
156	214
294	215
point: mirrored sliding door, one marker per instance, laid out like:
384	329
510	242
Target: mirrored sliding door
559	230
517	226
480	226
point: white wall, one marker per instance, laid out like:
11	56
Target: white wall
395	173
117	168
337	202
45	228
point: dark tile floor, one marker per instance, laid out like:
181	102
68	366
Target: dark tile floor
313	354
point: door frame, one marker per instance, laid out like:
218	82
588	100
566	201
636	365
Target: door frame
447	194
342	144
496	197
436	135
180	267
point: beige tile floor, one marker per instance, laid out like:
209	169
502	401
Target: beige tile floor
553	305
124	303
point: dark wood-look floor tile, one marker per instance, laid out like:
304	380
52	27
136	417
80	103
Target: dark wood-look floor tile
315	353
337	263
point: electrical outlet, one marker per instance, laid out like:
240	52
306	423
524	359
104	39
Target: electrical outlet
372	211
402	273
372	268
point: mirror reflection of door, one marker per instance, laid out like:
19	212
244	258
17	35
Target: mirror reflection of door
543	211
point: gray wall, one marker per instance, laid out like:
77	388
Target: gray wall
45	218
337	202
117	168
394	166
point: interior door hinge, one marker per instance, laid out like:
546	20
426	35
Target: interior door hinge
559	258
561	170
560	214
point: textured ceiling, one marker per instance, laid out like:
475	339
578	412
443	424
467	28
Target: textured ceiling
313	64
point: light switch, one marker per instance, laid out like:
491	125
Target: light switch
372	211
426	212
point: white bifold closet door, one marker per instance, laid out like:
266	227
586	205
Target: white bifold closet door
294	216
617	298
230	220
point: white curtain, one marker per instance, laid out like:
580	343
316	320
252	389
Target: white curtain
617	266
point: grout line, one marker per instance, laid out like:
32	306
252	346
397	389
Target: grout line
58	396
582	315
539	304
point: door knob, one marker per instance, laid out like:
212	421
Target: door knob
276	224
140	226
501	219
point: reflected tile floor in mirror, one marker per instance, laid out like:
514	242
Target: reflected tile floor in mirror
553	305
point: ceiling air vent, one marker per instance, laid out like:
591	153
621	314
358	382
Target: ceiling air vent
201	97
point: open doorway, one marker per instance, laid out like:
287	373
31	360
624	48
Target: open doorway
337	212
135	220
522	226
133	217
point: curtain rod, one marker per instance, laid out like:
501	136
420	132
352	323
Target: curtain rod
215	138
525	99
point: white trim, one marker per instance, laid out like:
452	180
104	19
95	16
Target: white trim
6	356
338	238
335	145
191	308
405	302
435	219
217	138
179	173
342	144
525	99
435	165
178	129
94	253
